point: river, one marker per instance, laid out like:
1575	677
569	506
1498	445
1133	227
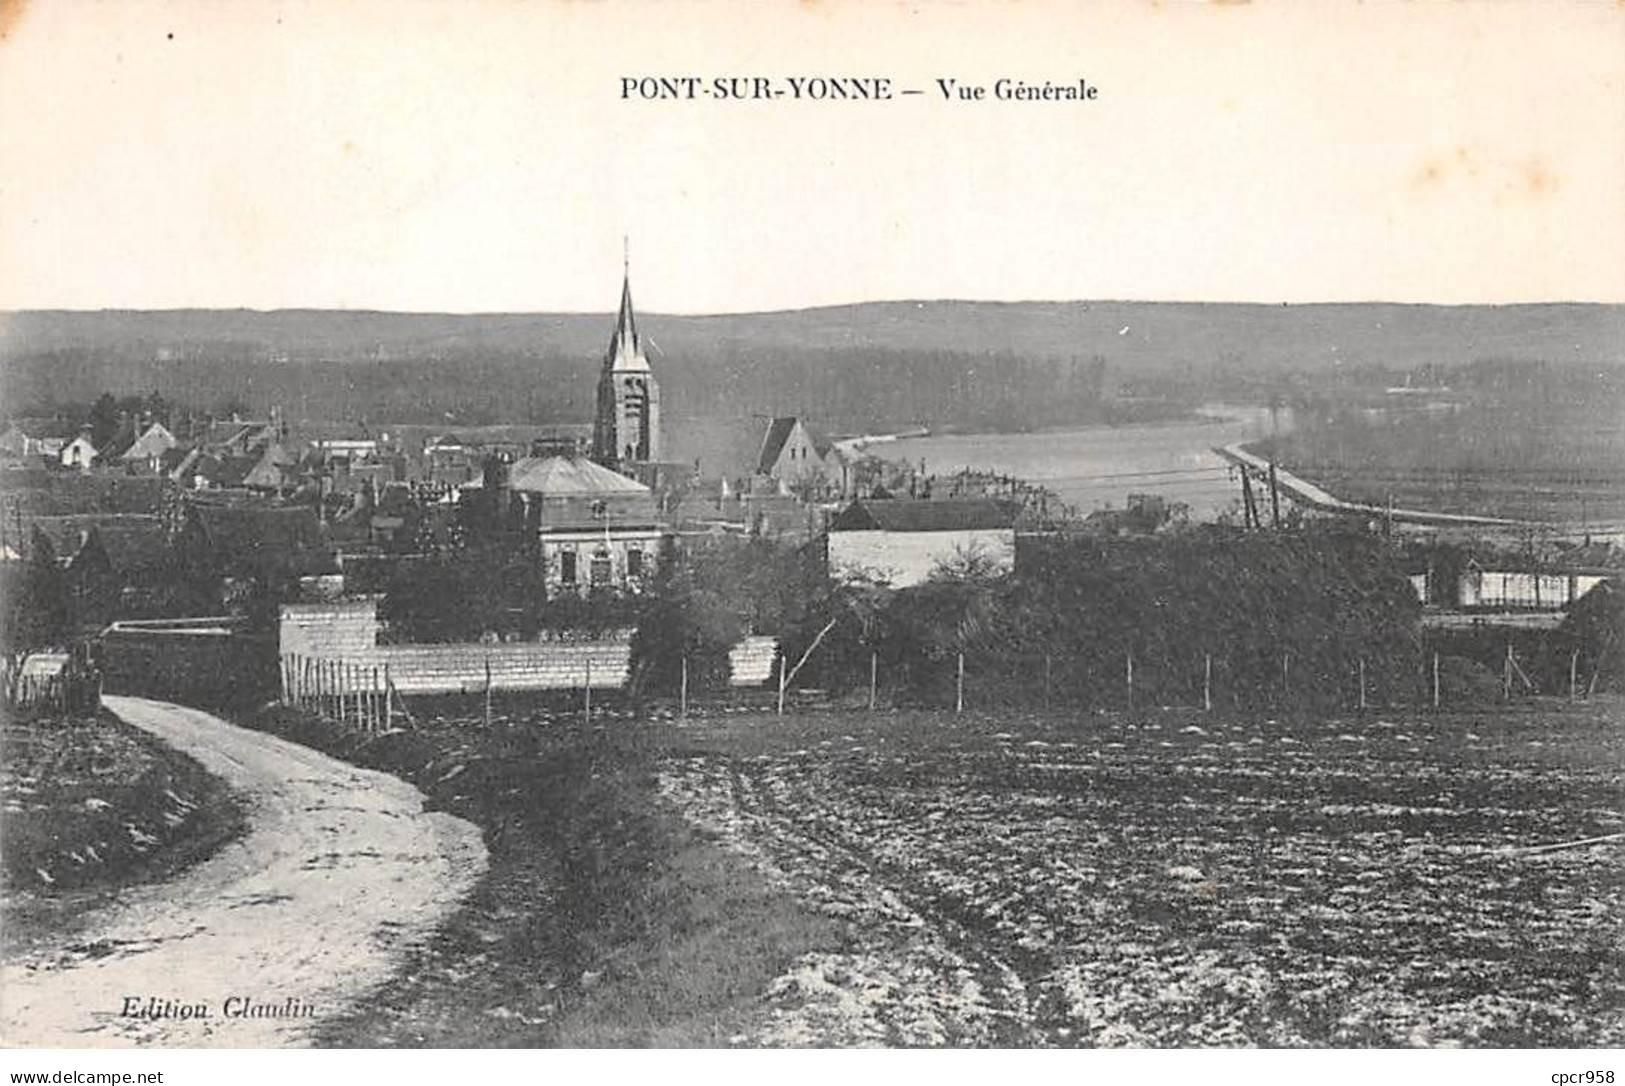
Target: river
1092	467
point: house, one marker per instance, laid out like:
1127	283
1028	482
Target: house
148	449
264	542
239	437
107	560
903	541
598	529
449	461
25	439
274	470
353	449
1519	590
394	516
78	453
802	460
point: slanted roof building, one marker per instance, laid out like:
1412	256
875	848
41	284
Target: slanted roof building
801	458
258	540
150	447
903	542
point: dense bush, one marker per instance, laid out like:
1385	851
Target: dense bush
708	599
1285	618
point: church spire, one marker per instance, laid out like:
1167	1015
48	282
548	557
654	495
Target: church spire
626	429
626	325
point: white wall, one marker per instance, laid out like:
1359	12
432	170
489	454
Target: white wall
907	558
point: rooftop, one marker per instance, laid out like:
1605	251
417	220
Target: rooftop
908	515
568	476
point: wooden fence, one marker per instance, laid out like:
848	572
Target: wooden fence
66	684
362	696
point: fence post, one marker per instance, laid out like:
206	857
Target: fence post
1435	680
682	692
959	685
781	683
1506	674
1047	667
1362	682
1207	682
488	689
586	707
874	677
1574	673
1128	669
389	703
1286	676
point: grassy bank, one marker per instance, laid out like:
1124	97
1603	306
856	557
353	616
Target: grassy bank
93	806
604	918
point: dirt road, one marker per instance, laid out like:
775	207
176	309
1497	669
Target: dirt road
340	873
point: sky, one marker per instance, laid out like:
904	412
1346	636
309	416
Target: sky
479	156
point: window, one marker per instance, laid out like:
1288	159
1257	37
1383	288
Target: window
600	569
634	562
567	567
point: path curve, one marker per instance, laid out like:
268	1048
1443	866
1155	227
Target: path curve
340	873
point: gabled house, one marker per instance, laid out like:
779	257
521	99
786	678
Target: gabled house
273	470
148	449
903	541
802	460
79	453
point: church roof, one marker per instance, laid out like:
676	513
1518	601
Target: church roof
568	476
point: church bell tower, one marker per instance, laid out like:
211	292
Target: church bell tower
626	428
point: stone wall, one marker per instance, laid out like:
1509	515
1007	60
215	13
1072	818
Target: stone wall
346	631
541	665
750	663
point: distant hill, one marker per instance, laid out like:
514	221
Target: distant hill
854	367
1130	334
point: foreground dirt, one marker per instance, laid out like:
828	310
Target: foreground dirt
1176	880
341	874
